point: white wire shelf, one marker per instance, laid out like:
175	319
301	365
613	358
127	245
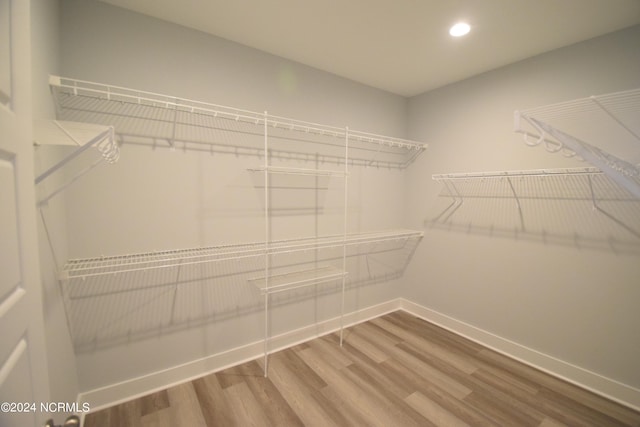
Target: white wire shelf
588	183
299	171
109	265
518	173
140	114
613	119
298	279
569	188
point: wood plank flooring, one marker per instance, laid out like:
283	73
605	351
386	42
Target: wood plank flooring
396	370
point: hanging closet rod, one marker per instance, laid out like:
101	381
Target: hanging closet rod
120	94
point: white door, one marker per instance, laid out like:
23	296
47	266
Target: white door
24	382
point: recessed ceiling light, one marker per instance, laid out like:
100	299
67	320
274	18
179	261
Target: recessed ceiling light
459	29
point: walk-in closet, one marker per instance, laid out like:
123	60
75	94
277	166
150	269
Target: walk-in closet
263	213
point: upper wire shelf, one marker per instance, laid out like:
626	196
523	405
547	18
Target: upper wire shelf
162	120
89	267
611	118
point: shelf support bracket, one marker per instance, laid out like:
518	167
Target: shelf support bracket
515	195
108	133
458	201
596	207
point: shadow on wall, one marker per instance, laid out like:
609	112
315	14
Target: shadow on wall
114	309
115	299
585	211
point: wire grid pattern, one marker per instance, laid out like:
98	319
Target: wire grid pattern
585	127
618	103
170	121
165	290
112	309
98	266
585	209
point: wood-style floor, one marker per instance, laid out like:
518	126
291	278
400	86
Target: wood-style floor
395	370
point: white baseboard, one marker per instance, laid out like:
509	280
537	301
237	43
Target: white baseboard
136	387
123	391
606	387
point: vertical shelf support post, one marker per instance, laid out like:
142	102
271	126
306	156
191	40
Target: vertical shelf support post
267	238
344	230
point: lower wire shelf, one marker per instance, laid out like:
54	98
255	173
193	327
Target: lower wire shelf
110	265
298	279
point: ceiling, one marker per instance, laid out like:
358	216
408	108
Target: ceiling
400	46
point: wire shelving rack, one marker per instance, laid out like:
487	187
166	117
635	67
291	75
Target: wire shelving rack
161	121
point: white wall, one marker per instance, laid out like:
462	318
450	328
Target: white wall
572	296
111	45
45	60
159	199
547	293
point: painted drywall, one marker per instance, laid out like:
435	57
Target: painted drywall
45	60
563	284
157	199
542	291
157	56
